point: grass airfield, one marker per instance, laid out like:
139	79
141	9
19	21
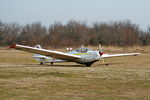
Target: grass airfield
125	78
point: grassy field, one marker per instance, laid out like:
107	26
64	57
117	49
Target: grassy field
125	78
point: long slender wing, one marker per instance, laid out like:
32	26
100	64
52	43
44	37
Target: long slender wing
49	53
118	55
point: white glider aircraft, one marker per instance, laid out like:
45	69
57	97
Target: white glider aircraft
85	56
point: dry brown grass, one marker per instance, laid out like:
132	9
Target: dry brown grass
126	78
15	56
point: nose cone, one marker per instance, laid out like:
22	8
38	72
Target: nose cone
101	53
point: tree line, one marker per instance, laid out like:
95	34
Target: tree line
74	33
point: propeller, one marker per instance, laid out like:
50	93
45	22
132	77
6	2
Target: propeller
82	46
101	53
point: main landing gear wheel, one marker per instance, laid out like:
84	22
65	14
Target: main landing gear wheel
52	63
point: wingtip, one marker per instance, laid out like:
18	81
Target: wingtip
12	46
137	54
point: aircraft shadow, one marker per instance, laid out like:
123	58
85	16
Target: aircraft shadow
108	64
57	65
38	66
66	65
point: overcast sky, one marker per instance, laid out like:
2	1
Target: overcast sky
49	11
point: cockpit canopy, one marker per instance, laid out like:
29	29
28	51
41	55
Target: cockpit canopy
82	50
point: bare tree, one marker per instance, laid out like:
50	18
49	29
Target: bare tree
122	33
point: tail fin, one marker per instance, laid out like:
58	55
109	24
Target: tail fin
38	57
38	46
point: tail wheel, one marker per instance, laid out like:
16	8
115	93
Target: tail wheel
41	63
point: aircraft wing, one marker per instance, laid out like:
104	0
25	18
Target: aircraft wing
118	55
49	53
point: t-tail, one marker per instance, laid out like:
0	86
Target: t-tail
41	58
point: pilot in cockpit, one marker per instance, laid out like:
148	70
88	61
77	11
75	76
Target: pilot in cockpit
82	50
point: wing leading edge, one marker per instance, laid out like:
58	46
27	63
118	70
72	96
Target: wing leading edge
49	53
118	55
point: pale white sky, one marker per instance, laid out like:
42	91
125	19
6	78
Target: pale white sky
49	11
